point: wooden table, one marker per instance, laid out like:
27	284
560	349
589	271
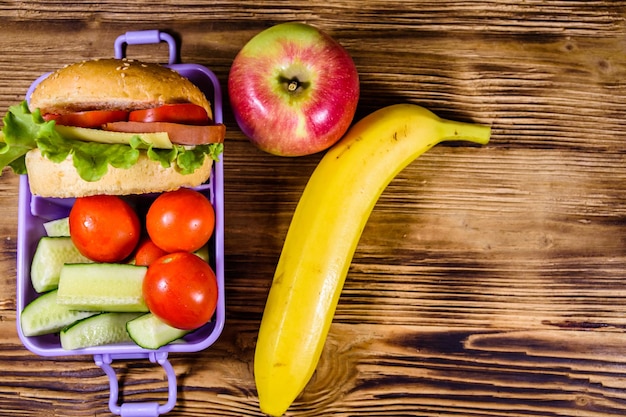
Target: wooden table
489	281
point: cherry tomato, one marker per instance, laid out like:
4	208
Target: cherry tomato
104	228
181	220
147	252
184	113
91	118
181	290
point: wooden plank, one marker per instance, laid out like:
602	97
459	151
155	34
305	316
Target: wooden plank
489	281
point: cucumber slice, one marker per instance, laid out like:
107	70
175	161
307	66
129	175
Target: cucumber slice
50	255
149	332
102	287
158	139
102	329
58	228
43	315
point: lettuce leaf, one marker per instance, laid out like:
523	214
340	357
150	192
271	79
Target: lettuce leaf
18	136
23	131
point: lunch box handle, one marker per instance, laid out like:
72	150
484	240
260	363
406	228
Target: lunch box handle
143	37
138	409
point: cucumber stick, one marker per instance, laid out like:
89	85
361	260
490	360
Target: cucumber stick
50	256
149	332
44	315
58	228
203	253
102	287
98	330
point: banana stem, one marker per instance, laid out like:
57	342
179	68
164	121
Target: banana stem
453	130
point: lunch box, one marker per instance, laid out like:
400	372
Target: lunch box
34	211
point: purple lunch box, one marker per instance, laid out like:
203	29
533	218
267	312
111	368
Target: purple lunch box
34	211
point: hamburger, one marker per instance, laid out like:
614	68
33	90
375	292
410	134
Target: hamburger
112	126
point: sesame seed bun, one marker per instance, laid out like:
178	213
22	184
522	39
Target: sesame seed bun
114	84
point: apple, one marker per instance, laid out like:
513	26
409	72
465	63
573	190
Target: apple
293	90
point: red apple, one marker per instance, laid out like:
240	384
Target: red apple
293	90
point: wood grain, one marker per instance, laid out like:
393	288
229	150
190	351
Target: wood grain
489	281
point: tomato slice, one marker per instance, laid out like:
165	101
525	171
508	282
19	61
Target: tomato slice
89	118
178	133
184	113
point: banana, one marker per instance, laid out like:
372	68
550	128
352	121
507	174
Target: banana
323	236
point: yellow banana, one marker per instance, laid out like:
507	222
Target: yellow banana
323	236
